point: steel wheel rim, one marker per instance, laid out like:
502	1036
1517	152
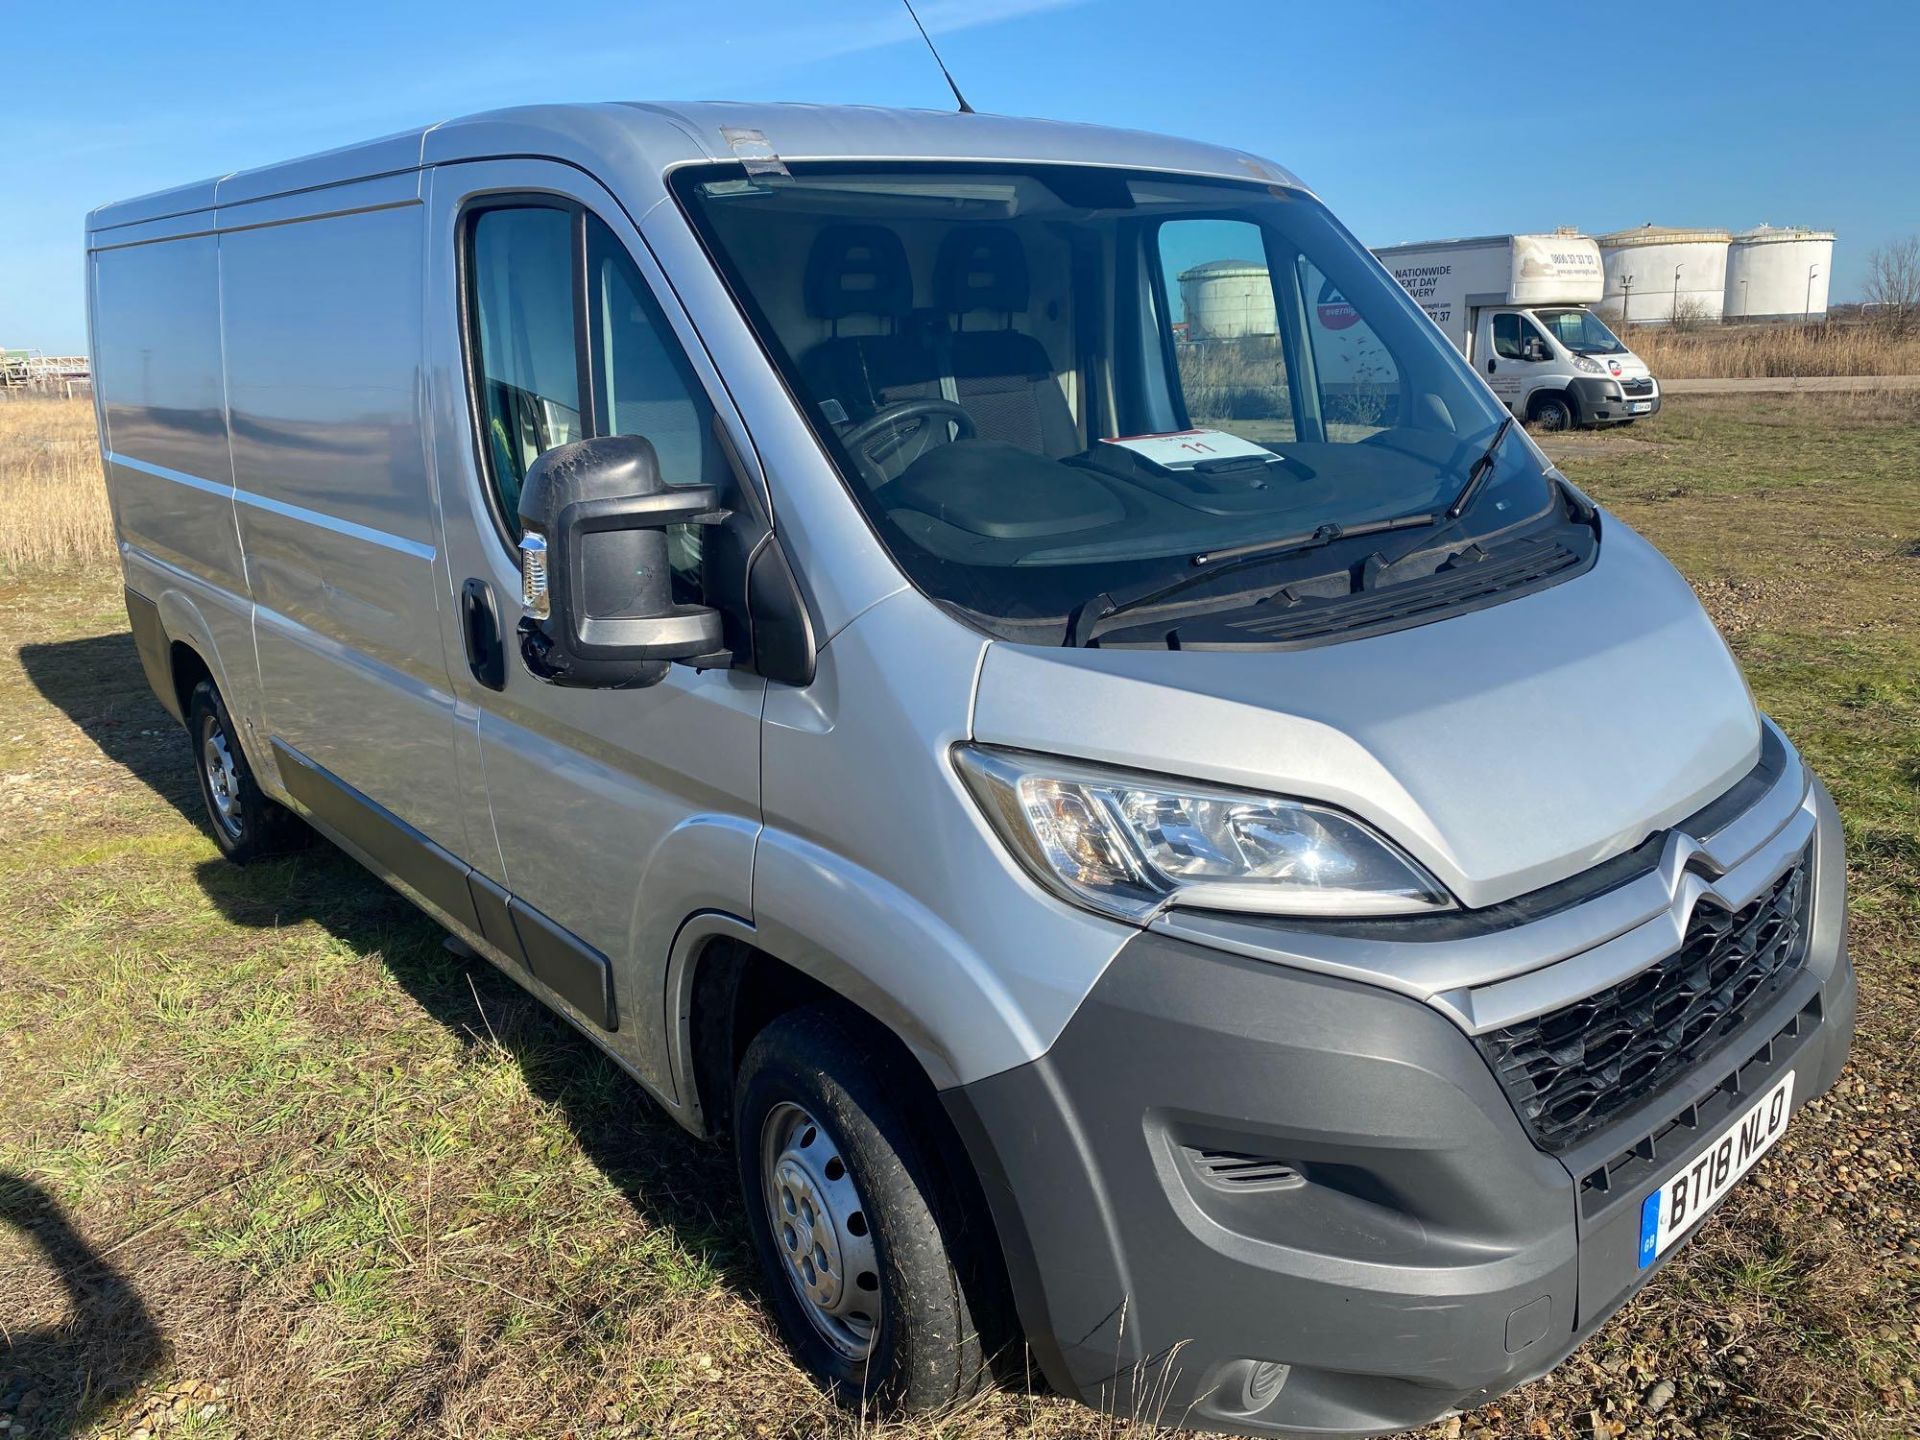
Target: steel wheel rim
820	1227
1553	417
223	777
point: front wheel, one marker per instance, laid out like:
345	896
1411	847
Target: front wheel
1553	412
878	1287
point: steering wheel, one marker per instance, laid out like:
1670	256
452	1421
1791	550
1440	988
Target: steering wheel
882	433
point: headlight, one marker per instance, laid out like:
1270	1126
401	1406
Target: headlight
1129	844
1589	364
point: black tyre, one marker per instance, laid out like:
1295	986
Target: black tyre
878	1282
246	824
1554	412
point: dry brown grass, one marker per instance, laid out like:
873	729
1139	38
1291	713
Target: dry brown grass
50	482
1765	351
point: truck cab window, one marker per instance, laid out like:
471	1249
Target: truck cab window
1506	335
644	385
528	291
526	367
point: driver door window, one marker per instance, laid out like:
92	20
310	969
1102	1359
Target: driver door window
1506	336
526	361
529	295
1517	338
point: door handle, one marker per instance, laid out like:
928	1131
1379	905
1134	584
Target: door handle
480	629
1491	363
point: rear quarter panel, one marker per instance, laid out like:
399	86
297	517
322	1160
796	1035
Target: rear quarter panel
155	309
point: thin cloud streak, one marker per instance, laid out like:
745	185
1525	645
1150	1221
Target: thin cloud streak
693	60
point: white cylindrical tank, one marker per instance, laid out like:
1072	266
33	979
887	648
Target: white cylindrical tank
1225	299
1655	268
1779	273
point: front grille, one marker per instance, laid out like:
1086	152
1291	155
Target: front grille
1571	1071
1637	388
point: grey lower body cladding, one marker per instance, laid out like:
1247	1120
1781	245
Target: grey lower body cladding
1248	1198
396	851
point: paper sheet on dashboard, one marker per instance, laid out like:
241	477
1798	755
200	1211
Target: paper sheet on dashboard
1183	449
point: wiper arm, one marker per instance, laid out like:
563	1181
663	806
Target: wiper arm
1089	616
1477	476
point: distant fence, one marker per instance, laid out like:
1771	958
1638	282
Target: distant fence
28	372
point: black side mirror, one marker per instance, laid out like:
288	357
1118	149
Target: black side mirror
594	570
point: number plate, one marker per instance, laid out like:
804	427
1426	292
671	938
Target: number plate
1639	407
1672	1210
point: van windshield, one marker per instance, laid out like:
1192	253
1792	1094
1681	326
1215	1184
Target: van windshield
1580	331
1043	383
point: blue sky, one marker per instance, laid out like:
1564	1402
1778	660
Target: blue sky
1412	121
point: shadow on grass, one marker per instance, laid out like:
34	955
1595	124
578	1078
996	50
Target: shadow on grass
671	1179
55	1379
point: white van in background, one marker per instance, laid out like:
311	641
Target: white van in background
1516	305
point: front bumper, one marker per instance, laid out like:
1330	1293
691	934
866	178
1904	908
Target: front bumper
1389	1246
1601	401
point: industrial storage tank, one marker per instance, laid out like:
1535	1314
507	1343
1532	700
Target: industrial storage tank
1225	299
1656	268
1779	274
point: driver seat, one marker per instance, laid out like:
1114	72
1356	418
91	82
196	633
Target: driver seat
860	272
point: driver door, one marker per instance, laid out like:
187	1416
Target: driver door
1505	364
611	815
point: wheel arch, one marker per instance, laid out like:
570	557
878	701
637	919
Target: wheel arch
727	979
191	653
186	668
1552	392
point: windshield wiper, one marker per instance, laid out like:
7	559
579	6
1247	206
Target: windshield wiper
1088	617
1478	474
1476	477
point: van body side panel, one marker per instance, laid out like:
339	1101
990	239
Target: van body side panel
324	351
157	371
877	872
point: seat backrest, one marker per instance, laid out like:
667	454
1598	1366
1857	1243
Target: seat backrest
861	271
1004	377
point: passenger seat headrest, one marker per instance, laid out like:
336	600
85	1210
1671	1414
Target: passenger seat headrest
858	270
980	267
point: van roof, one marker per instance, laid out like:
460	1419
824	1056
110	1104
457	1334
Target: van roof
661	136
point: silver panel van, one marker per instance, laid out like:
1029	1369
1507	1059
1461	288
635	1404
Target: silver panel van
1188	847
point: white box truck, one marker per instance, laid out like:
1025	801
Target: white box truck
1517	306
